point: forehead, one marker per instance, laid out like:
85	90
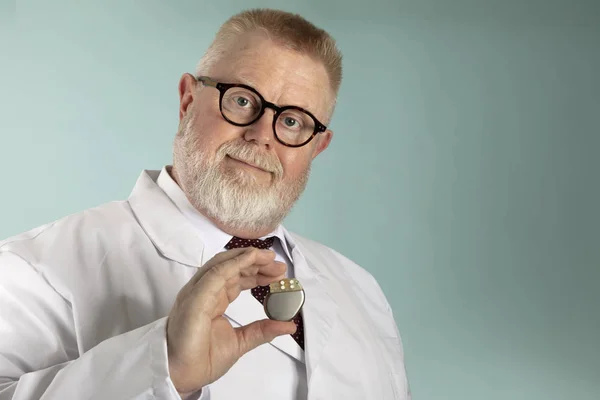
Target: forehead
282	76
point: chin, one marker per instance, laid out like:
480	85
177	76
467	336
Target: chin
247	180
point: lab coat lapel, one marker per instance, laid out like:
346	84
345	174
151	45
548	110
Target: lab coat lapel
172	234
326	335
320	311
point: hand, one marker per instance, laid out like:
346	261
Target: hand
202	345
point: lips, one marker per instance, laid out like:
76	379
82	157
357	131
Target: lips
247	163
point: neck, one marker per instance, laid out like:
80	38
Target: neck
241	233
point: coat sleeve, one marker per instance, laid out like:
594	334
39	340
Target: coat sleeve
39	354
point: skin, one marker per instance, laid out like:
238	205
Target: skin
202	344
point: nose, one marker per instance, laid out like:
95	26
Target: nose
261	131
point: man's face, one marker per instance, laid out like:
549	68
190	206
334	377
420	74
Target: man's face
242	176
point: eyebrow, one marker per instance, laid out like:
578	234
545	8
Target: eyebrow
246	81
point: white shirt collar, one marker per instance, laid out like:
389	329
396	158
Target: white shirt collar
214	238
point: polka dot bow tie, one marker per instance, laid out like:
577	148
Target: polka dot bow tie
260	292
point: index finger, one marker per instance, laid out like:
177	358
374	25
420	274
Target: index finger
245	257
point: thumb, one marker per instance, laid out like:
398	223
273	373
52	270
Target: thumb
261	332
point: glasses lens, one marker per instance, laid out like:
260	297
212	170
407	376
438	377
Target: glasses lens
294	127
240	105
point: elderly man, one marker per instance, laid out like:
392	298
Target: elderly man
163	295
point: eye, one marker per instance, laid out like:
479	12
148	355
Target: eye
293	120
290	122
241	101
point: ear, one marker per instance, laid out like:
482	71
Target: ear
323	140
187	93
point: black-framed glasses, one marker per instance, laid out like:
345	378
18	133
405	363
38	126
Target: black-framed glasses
242	105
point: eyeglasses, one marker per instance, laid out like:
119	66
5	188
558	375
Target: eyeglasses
242	105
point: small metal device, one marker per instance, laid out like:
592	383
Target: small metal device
285	299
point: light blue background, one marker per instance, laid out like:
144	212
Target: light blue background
464	173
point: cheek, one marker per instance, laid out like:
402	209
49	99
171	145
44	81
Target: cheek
211	132
294	164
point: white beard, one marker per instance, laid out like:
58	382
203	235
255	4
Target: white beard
233	197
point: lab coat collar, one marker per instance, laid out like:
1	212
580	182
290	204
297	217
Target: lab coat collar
214	239
172	234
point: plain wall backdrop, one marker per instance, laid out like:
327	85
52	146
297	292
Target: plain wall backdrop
464	170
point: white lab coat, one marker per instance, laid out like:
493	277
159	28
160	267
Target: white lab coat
84	300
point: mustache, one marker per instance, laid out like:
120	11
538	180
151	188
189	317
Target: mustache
251	155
